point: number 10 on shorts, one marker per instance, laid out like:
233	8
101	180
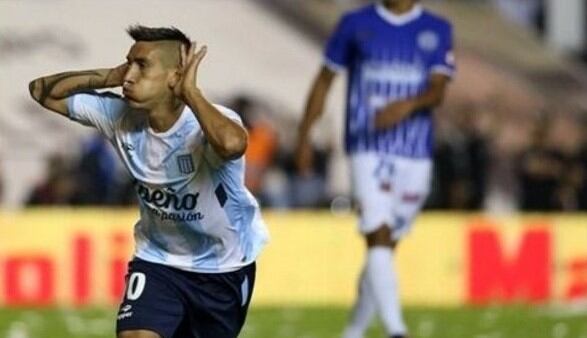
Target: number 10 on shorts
135	285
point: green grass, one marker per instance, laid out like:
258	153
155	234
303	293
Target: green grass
484	322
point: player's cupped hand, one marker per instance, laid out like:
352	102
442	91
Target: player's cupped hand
115	77
189	61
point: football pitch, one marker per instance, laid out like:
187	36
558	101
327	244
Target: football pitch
318	322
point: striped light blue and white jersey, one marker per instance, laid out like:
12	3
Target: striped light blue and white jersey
389	58
195	212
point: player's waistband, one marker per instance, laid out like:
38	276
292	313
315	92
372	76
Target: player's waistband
351	150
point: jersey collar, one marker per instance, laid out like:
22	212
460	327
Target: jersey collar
401	19
184	115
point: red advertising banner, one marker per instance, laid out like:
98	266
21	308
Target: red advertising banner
79	257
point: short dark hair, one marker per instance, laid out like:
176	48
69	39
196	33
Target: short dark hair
144	33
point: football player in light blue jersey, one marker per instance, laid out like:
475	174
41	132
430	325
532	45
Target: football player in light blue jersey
200	230
398	60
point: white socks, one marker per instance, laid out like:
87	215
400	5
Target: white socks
363	310
378	291
383	281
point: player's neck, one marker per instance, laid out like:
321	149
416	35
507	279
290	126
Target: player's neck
162	118
399	7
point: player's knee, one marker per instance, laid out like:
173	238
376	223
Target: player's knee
138	334
380	237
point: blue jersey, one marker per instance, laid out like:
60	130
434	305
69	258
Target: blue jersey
195	212
389	58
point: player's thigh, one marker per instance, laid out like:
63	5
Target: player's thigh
150	303
412	180
371	177
220	304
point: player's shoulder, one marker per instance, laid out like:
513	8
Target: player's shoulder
104	101
113	102
435	19
108	95
106	98
361	13
116	107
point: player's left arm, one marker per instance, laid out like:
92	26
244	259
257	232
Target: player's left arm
441	72
399	110
226	136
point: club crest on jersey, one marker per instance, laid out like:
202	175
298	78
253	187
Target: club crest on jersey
428	41
185	164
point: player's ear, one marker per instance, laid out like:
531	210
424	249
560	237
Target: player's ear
174	78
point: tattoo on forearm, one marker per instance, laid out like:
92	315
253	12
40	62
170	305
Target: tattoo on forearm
48	84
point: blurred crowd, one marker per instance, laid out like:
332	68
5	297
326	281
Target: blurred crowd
486	158
492	159
95	176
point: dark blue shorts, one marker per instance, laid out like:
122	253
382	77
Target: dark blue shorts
181	304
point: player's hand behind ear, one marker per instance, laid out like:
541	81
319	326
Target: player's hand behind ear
116	75
190	61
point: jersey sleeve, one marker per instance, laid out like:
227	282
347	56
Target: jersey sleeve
98	110
337	55
209	153
444	60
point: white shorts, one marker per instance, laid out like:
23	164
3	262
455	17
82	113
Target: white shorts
389	190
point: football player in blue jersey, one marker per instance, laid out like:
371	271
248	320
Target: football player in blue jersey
398	60
200	230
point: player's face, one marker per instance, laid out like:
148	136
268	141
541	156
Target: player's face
146	82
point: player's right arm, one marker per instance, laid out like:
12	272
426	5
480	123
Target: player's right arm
314	109
337	57
52	91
